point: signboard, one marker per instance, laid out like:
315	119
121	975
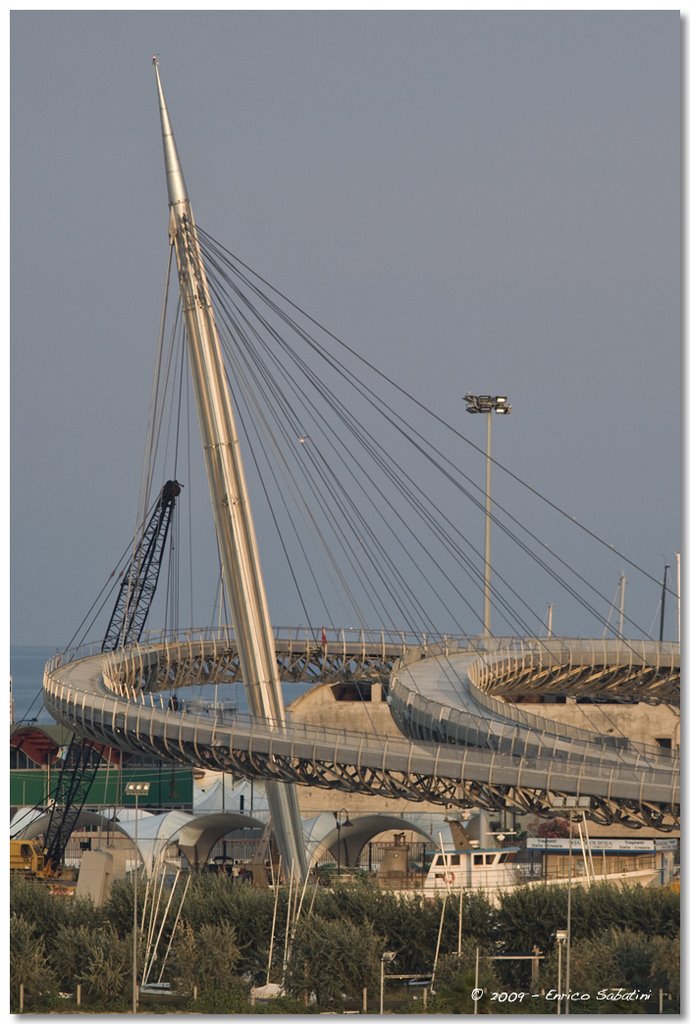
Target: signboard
599	845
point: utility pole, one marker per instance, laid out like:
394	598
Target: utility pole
232	514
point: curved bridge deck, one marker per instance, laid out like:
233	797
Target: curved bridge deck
443	694
117	698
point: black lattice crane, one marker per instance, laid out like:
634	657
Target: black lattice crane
126	625
140	579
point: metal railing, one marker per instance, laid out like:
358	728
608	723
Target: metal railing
505	725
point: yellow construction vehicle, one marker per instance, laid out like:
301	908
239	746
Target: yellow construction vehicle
27	856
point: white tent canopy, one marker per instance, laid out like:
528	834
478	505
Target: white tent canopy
22	818
197	838
154	834
217	791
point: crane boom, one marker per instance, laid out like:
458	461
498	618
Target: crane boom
140	580
126	624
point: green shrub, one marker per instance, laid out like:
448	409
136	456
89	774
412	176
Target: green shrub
107	977
623	959
334	960
29	966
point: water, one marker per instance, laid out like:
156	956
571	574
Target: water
26	668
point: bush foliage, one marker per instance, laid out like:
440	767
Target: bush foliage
621	937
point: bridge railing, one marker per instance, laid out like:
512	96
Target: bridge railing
522	654
476	671
531	652
178	734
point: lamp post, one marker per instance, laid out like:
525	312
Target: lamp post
572	804
136	789
561	937
386	958
341	824
487	404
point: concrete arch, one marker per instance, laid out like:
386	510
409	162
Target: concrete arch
322	836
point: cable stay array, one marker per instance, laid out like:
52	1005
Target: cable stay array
314	408
366	503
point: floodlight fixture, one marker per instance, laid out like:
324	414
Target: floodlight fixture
488	404
137	788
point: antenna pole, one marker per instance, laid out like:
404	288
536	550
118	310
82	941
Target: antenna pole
621	617
663	604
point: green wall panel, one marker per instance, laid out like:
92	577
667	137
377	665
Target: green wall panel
170	786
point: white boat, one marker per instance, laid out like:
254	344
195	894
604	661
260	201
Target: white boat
494	871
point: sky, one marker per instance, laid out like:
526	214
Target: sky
483	202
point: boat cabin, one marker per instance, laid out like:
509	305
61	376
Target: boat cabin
475	868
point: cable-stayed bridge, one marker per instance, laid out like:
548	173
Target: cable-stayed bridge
461	740
466	748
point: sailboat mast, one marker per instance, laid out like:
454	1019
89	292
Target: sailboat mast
230	500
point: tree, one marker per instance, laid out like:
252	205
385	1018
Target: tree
620	959
107	976
29	966
665	973
455	981
553	828
532	914
70	954
208	959
335	960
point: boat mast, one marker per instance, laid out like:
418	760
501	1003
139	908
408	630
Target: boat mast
231	510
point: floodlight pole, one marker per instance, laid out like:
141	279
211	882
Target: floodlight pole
569	911
571	804
487	404
135	789
487	533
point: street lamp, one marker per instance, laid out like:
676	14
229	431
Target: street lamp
571	804
488	404
561	938
136	789
341	824
386	958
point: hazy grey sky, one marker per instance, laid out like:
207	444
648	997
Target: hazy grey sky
476	201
